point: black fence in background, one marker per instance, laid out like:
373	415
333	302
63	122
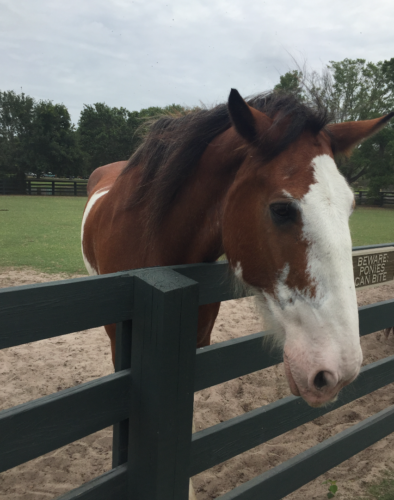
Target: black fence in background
384	198
49	187
43	187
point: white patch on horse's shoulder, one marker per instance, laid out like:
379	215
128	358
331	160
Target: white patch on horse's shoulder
238	270
91	271
98	194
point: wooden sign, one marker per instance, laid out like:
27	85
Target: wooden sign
373	267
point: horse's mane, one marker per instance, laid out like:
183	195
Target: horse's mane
173	145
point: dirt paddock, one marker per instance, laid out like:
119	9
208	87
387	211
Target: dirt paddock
33	370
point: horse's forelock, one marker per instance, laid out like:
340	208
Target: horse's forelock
173	145
291	116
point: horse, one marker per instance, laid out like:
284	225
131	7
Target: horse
256	180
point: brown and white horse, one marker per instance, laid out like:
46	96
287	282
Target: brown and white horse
256	181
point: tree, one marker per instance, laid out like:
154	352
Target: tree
361	92
106	134
353	89
54	141
291	83
36	137
110	134
388	72
16	128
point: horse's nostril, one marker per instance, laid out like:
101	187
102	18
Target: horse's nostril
320	380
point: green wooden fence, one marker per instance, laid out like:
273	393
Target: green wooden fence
149	399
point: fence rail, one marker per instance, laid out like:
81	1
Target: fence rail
384	198
48	187
149	399
43	187
93	405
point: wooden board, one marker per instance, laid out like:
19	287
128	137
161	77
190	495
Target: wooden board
373	267
35	312
164	333
218	363
111	485
223	441
32	429
281	480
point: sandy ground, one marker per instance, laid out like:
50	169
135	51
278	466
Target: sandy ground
34	370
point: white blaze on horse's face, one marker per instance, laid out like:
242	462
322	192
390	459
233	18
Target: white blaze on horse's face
320	331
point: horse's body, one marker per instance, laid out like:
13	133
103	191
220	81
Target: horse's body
259	183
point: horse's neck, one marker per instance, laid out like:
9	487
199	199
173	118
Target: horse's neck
192	231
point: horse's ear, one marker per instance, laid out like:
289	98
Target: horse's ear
241	116
345	136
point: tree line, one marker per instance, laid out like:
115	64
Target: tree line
354	89
38	136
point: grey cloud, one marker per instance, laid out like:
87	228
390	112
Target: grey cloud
138	54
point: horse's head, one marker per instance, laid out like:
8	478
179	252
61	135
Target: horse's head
286	234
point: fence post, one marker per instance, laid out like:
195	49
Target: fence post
29	187
163	358
122	362
75	188
53	188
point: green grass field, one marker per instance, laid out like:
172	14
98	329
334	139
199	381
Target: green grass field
370	225
43	232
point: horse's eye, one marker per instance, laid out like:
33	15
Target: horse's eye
283	212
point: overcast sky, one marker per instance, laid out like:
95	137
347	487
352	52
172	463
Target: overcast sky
138	53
